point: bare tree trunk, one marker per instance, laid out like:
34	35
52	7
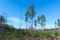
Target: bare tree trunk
32	24
26	25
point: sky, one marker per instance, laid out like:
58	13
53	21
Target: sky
12	10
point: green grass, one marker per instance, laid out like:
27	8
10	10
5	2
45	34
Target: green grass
22	33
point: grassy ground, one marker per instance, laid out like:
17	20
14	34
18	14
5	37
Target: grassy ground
23	33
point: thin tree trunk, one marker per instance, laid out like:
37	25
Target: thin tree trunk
32	28
26	24
32	24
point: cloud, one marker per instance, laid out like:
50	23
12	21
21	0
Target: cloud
16	22
15	19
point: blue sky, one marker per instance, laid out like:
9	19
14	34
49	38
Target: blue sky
13	8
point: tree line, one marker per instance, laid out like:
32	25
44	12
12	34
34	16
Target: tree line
41	19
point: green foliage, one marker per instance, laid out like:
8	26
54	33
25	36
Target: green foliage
7	33
57	33
21	33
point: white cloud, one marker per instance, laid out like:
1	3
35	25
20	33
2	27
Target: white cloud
16	22
15	19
